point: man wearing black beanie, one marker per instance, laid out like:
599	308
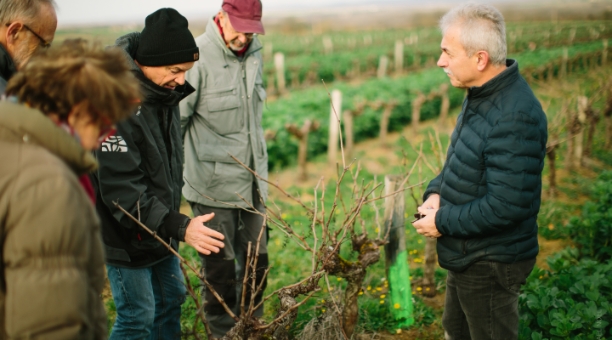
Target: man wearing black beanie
141	167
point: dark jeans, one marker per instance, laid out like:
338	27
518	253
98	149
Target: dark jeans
482	301
148	300
225	270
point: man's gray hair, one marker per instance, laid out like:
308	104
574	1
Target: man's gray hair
11	10
482	29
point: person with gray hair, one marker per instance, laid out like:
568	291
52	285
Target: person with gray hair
483	206
25	26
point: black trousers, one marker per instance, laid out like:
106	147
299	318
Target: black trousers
225	270
482	301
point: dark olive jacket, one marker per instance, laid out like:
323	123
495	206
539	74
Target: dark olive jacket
141	168
492	179
51	256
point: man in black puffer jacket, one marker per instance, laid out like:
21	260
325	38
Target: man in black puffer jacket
141	167
483	206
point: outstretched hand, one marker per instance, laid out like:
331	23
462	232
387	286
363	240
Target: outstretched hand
202	238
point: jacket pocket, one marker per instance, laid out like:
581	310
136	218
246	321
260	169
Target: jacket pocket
229	182
223	114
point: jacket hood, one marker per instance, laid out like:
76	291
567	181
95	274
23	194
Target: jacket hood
151	92
20	124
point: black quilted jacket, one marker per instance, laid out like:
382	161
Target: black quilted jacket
491	181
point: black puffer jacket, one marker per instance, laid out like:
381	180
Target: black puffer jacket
143	162
491	182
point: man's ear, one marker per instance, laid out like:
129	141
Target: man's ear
13	33
482	58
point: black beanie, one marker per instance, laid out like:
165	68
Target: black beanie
166	40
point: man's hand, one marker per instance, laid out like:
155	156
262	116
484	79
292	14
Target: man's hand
433	202
426	226
202	238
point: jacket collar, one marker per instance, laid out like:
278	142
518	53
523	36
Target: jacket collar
20	124
7	65
212	32
505	78
151	92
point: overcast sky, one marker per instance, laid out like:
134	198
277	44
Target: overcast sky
79	12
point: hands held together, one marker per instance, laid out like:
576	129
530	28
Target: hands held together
426	225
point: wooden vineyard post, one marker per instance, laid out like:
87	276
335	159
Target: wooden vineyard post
384	119
417	103
572	128
268	49
302	135
396	255
563	71
348	116
328	45
294	71
579	147
279	63
551	154
604	53
592	118
429	270
445	106
608	119
270	89
383	64
334	128
399	56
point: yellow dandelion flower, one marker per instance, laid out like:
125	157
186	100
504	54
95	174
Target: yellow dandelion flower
323	310
378	289
419	289
322	301
383	296
283	216
360	292
396	306
339	279
382	302
369	288
376	230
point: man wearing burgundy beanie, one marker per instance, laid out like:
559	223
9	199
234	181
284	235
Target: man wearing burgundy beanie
141	168
223	118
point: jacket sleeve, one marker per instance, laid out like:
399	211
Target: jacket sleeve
433	187
513	161
53	263
188	105
121	178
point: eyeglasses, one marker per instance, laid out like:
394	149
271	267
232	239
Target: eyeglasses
43	42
